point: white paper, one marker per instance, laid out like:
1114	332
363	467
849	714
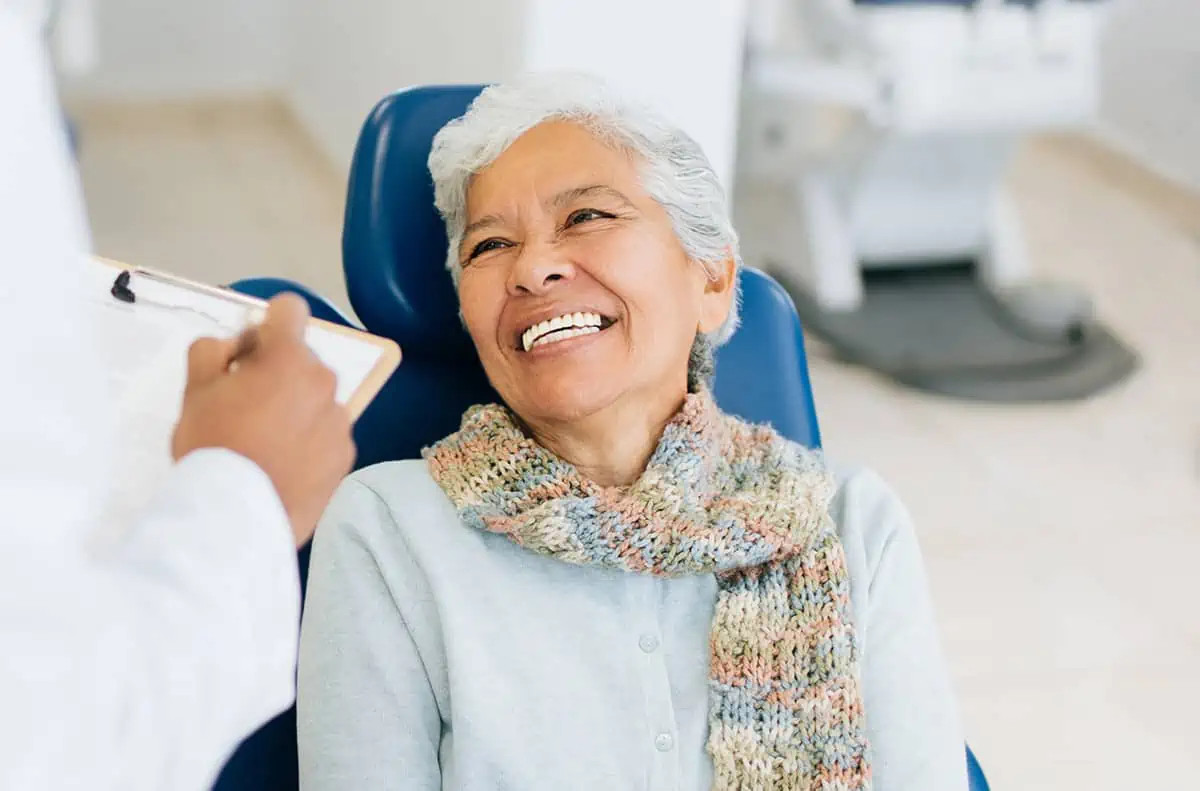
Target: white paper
144	350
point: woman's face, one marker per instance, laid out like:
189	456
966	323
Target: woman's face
574	288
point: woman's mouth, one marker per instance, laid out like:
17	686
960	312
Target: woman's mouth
562	328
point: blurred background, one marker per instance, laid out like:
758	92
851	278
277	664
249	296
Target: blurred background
1012	168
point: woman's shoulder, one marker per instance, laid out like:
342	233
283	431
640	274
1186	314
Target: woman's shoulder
388	501
869	516
403	479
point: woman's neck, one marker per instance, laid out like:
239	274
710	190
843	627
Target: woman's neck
611	447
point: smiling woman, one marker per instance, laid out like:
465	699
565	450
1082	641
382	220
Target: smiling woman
559	228
604	582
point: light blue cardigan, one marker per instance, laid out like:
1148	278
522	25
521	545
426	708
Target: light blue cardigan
435	656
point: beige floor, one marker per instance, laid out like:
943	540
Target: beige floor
1062	541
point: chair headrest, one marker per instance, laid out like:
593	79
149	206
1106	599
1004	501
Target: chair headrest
394	242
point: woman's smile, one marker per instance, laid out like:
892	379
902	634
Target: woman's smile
561	328
566	342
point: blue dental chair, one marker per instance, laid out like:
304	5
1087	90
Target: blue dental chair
394	247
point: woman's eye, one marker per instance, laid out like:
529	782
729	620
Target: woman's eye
585	215
486	246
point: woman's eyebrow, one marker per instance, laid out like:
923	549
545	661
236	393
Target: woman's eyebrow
575	193
485	221
563	198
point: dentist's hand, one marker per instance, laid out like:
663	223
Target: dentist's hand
267	397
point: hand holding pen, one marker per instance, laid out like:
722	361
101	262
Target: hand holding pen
266	396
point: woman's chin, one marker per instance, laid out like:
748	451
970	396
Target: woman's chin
567	381
566	399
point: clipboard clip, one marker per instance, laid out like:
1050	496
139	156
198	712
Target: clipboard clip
121	290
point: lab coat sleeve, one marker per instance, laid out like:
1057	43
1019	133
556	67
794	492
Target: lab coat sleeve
137	664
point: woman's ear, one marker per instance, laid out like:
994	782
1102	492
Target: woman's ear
718	295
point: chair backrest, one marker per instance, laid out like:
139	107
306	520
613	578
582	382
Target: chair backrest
268	287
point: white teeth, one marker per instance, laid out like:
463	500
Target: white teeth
564	335
560	328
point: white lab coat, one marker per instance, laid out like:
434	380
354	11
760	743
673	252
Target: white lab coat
140	664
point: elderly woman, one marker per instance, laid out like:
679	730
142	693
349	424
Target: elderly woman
605	582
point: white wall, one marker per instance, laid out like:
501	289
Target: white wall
154	49
683	55
333	59
1151	104
345	55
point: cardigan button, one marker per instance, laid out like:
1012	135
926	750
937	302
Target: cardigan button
664	742
648	643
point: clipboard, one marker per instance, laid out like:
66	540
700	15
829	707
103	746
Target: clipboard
362	362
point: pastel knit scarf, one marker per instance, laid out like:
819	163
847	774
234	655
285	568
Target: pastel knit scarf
719	496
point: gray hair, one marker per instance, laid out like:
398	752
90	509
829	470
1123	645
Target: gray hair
674	170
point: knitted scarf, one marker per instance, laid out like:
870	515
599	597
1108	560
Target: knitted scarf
719	496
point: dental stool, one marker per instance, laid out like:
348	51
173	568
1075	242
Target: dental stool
875	139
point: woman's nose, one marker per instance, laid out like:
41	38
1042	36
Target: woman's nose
538	269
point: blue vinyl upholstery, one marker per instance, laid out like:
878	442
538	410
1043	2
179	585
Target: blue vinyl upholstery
975	778
268	287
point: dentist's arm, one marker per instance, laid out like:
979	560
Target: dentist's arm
144	666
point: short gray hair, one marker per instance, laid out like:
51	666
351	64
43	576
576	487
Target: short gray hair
674	170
